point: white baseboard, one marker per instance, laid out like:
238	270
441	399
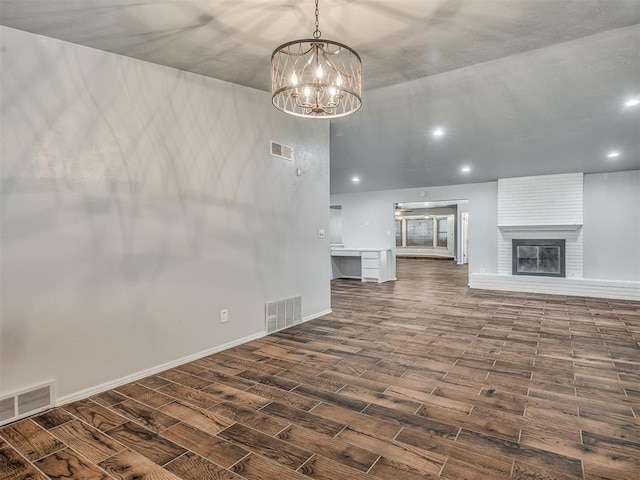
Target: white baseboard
317	315
580	287
89	392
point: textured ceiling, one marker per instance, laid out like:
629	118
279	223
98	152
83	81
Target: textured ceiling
523	86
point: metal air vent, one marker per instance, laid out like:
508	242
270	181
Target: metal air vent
284	313
26	402
281	151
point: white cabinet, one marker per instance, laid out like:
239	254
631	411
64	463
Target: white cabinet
369	265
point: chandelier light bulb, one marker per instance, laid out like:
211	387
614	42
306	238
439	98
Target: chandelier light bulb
339	80
319	72
294	79
333	91
307	91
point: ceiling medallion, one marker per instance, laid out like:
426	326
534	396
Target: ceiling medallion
316	78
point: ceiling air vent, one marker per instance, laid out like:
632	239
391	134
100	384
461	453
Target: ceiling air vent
281	151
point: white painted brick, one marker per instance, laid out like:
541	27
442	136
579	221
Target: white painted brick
541	200
624	290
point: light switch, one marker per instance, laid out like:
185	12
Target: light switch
321	233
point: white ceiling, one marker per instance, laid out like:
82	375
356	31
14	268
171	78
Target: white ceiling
521	86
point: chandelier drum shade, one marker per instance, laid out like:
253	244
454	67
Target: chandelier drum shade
316	78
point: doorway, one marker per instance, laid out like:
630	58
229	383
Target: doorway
464	237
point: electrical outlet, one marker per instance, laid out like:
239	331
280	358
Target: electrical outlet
224	316
321	233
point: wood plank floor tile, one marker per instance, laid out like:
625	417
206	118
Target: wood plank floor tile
108	398
202	419
15	467
414	459
128	465
240	381
68	464
144	395
335	449
193	467
52	418
249	417
321	468
562	464
390	468
263	394
477	455
183	378
362	422
256	467
95	414
149	444
205	444
185	394
286	454
303	418
145	415
417	378
30	439
406	419
459	470
86	440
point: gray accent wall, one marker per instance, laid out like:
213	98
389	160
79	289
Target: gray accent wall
612	226
137	201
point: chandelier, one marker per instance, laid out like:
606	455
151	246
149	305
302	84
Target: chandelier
316	78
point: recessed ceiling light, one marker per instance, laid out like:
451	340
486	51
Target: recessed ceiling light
355	179
614	154
438	132
632	102
465	169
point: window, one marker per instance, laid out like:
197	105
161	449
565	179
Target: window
442	232
419	233
424	233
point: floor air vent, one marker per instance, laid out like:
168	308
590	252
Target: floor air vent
281	151
282	314
25	403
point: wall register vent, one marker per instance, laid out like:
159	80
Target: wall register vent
281	151
283	314
26	402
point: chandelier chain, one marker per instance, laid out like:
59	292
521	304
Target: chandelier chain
317	33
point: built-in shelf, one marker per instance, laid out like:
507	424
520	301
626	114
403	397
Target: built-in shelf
541	228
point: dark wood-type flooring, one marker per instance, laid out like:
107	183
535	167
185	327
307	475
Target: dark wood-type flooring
419	378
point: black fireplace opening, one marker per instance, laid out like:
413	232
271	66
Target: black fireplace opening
543	258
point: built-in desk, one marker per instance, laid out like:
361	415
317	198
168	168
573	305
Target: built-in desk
367	264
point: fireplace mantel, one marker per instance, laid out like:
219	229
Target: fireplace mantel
540	228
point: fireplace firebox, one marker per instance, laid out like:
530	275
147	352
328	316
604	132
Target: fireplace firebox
542	258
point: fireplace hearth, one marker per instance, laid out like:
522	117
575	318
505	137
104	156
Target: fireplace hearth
542	258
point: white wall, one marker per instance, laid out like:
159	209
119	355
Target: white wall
138	201
368	219
612	226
